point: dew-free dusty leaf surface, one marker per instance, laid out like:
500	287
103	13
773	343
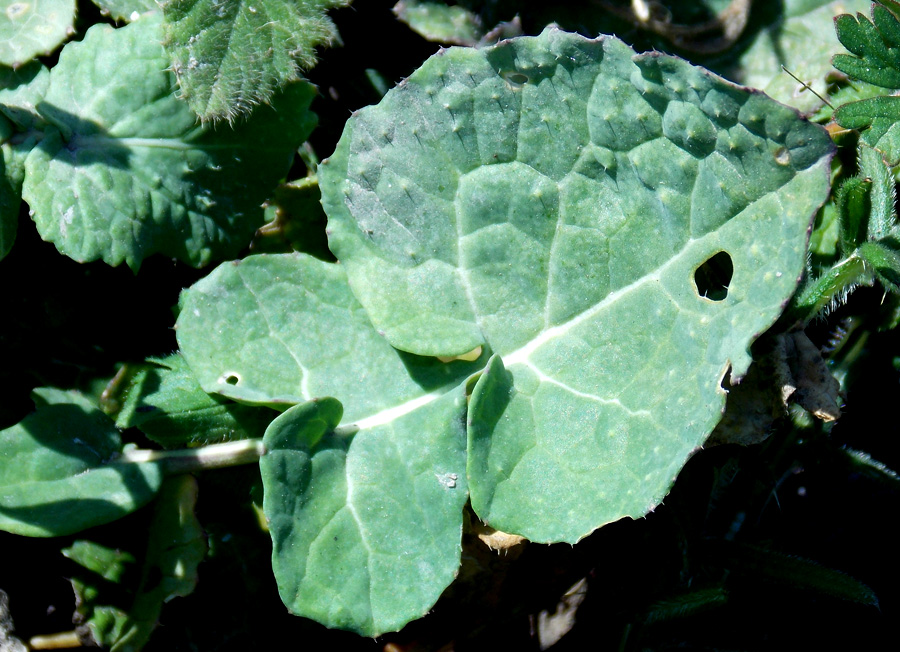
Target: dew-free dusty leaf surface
125	170
230	55
555	198
59	472
281	329
30	28
365	527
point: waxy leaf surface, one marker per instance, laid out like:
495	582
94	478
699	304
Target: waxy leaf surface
283	329
553	199
230	55
125	170
365	527
59	471
29	28
164	400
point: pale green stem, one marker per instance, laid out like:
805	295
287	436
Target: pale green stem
214	456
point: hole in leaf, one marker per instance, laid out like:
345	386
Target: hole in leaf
713	277
515	78
230	378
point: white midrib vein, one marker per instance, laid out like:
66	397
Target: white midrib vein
523	354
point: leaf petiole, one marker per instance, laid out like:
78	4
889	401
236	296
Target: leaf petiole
213	456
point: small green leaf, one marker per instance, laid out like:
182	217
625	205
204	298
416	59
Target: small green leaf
29	28
130	173
167	403
864	113
176	547
852	200
230	55
559	200
875	47
60	473
365	527
882	215
284	329
108	563
107	568
439	22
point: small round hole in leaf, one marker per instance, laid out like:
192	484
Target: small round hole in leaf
230	378
713	277
515	78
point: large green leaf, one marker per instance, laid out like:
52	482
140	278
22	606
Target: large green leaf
230	55
61	472
365	527
29	28
563	201
284	329
125	170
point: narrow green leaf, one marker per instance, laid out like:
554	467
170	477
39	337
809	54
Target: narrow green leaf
859	115
685	605
884	261
882	215
862	463
365	528
176	547
60	473
284	329
130	173
558	200
830	289
29	28
791	571
166	402
852	200
230	55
